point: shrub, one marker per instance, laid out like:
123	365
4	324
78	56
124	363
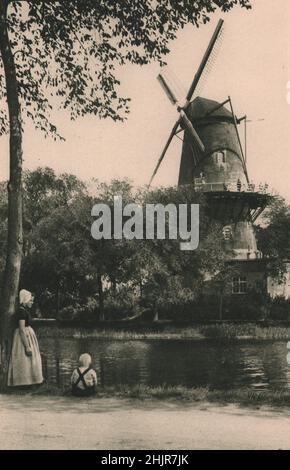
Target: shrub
280	309
121	303
83	312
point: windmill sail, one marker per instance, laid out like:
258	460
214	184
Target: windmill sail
205	59
171	96
172	134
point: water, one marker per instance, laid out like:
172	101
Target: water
218	365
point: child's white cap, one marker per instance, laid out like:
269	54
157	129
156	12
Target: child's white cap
85	360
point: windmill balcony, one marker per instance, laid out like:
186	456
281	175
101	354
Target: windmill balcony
201	184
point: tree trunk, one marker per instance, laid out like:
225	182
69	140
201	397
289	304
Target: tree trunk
14	245
221	301
101	297
155	315
57	299
114	284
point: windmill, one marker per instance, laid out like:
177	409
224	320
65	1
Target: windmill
183	120
213	160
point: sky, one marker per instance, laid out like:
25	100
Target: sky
253	67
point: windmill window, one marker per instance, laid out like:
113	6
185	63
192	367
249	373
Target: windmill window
220	157
227	233
239	285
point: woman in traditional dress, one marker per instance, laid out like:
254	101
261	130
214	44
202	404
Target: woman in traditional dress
25	366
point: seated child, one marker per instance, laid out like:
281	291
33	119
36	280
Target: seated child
84	378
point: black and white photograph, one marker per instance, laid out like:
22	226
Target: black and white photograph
144	227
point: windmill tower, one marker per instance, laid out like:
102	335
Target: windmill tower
213	161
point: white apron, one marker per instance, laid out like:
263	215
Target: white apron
23	369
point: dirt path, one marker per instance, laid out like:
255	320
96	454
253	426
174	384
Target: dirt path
37	422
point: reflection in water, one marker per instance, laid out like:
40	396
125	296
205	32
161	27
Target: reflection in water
259	365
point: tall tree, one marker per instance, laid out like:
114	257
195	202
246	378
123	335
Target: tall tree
273	236
67	53
3	227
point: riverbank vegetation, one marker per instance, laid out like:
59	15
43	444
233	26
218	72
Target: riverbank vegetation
200	395
214	331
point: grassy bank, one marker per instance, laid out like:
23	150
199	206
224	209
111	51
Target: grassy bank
244	397
226	331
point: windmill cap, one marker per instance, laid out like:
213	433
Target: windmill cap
201	108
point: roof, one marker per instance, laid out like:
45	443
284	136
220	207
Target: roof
200	108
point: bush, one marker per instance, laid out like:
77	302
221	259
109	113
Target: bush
83	312
120	304
280	309
252	306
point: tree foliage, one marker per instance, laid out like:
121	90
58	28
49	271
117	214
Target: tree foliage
273	233
67	53
63	263
273	236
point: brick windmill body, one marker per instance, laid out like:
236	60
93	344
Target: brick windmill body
213	161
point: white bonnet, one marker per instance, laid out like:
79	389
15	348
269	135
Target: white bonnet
25	296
